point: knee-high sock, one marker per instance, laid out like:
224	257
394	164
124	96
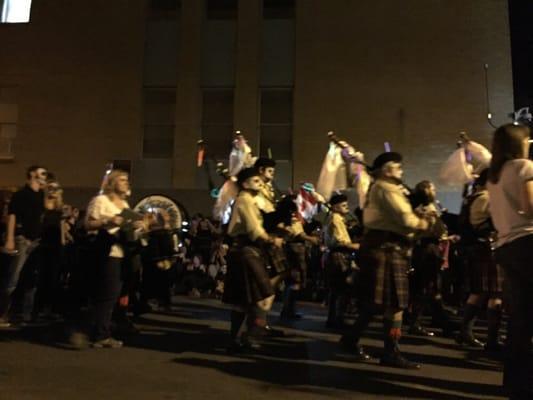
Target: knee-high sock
366	314
256	318
237	319
392	331
469	318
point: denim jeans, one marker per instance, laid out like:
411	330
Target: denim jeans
10	276
107	291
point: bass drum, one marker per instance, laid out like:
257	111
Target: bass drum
162	206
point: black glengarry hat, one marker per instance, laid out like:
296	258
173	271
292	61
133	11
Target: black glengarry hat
337	198
384	158
246	173
264	162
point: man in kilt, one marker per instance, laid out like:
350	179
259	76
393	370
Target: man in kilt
275	222
484	276
427	261
247	286
339	271
296	250
384	258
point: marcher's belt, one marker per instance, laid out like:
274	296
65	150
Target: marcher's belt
374	235
242	240
340	249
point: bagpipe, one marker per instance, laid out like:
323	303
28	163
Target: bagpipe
465	163
344	167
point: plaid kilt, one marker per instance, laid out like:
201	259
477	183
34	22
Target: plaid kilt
276	260
297	260
384	268
247	280
483	274
337	270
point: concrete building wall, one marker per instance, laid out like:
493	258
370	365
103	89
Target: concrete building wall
410	73
75	72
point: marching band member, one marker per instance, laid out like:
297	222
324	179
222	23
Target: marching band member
427	260
384	259
248	287
485	277
338	265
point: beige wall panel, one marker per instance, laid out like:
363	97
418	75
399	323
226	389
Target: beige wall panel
8	113
78	68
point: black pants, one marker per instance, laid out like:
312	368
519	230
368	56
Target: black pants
49	289
515	258
108	285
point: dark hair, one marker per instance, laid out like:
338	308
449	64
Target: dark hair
32	168
506	146
420	194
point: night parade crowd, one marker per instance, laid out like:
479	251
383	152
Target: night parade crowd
399	255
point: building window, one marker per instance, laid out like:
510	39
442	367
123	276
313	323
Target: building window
222	9
15	11
159	121
217	121
276	123
8	133
278	9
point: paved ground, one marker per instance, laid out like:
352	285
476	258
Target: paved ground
181	355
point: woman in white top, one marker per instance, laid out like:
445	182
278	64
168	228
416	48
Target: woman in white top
103	217
511	196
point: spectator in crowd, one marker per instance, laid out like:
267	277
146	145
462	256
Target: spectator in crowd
511	207
202	234
195	278
104	219
24	225
52	245
217	269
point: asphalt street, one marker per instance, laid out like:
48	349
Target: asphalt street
181	354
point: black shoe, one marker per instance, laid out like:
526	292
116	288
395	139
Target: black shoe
271	332
396	360
419	330
469	341
354	349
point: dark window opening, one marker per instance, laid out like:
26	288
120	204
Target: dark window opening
164	8
222	9
278	9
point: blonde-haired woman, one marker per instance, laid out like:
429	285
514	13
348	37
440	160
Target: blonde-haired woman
511	196
103	218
